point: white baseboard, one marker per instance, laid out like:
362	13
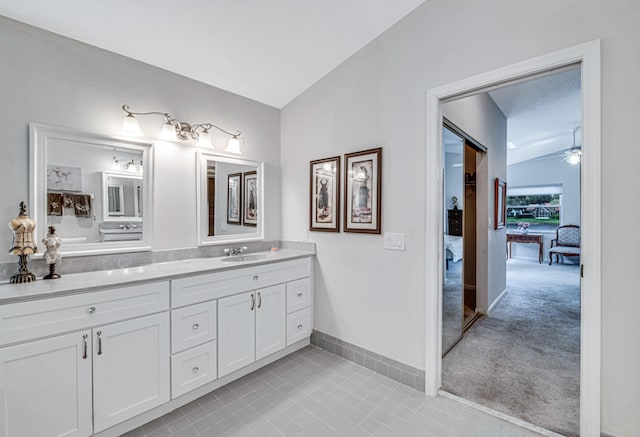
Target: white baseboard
495	302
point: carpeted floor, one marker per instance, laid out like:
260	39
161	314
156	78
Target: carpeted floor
524	358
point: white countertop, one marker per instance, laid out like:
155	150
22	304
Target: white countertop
98	280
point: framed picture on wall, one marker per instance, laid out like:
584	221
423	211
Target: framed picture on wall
250	198
324	195
500	204
363	191
234	198
64	178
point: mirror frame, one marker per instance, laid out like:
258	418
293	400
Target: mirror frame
204	239
105	199
39	137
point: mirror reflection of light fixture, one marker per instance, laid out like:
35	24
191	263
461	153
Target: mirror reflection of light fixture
174	129
574	154
124	164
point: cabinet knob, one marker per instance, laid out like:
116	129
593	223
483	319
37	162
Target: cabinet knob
256	277
299	326
195	369
92	310
195	326
299	294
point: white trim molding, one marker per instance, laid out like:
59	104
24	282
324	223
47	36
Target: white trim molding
588	56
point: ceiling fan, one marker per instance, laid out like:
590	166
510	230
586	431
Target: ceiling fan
572	155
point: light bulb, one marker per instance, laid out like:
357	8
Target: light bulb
573	159
168	132
233	146
204	140
130	126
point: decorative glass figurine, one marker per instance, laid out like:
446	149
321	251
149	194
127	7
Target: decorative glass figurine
23	245
52	254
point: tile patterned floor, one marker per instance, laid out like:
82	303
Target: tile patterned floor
313	393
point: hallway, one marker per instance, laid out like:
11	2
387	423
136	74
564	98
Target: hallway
524	359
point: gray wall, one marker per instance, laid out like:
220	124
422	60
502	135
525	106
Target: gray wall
57	81
375	298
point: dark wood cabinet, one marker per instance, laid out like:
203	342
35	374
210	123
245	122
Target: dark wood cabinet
455	222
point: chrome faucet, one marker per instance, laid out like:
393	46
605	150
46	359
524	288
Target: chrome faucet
234	250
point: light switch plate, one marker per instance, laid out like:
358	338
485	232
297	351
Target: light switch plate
393	241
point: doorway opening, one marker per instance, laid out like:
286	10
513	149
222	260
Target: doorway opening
522	357
588	56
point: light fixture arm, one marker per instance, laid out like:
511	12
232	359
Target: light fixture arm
208	126
126	108
183	130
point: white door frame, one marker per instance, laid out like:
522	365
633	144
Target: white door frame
588	54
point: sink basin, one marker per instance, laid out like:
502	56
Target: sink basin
245	258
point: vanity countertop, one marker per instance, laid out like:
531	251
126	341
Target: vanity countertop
102	279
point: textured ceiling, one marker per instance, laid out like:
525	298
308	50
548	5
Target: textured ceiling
541	114
269	51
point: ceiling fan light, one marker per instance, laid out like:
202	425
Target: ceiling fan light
573	157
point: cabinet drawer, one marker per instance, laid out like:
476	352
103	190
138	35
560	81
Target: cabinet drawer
193	325
298	326
298	295
192	368
28	320
200	288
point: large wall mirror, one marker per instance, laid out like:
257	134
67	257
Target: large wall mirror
230	199
95	190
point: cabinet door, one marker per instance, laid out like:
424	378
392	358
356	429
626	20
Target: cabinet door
236	332
271	316
130	368
45	387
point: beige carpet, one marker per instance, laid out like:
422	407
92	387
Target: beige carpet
524	359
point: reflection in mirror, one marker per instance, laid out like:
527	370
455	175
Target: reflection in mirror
229	199
453	207
121	197
93	189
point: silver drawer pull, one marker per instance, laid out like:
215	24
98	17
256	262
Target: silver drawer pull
299	294
256	277
195	326
299	326
92	310
84	346
195	369
99	334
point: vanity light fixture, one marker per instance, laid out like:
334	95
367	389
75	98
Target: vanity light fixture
174	129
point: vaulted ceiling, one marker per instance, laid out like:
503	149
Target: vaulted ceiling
267	50
272	51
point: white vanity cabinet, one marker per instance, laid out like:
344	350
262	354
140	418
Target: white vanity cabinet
80	383
130	369
108	360
46	387
252	326
251	308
